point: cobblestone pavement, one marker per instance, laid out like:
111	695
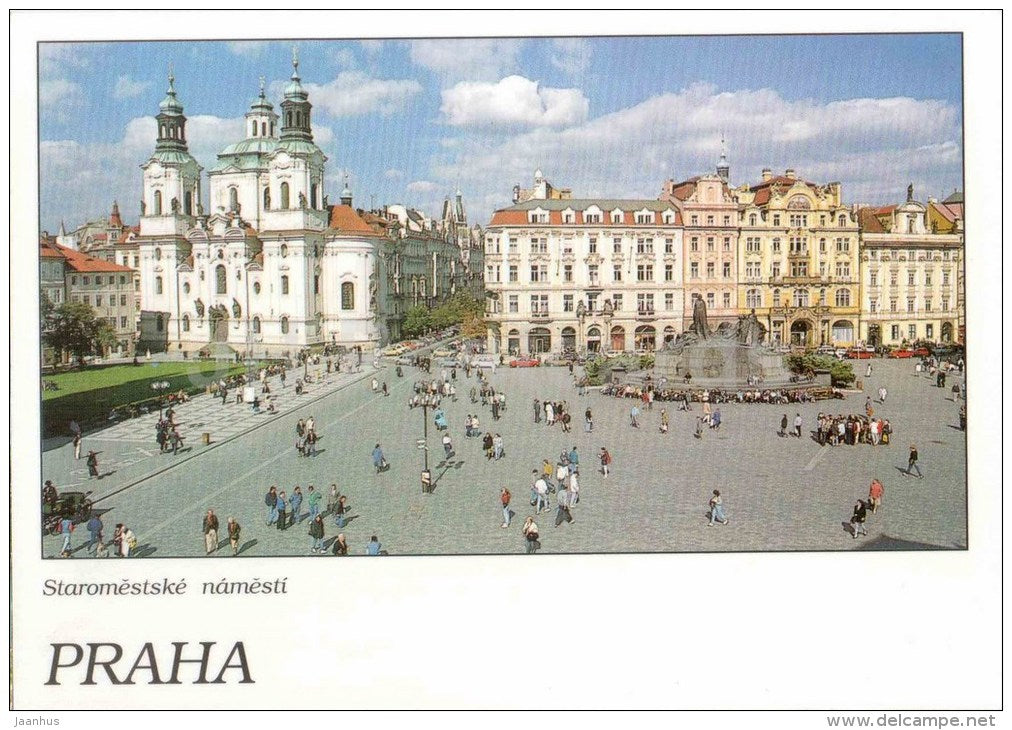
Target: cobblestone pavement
779	493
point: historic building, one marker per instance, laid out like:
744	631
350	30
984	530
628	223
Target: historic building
469	275
709	212
583	275
68	275
271	266
910	274
798	260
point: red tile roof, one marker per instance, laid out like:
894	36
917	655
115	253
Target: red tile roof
49	250
344	219
83	263
869	222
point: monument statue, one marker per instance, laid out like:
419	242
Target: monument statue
910	192
199	306
236	309
608	309
699	318
581	309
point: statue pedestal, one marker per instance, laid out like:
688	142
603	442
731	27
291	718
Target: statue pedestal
721	363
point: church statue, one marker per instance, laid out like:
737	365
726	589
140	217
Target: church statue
267	199
302	201
910	192
581	309
699	318
608	309
199	306
175	205
236	309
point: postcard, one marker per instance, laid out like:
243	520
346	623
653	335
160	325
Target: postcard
603	362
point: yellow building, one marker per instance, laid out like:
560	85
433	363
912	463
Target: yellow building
798	261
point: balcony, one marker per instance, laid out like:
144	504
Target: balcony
539	314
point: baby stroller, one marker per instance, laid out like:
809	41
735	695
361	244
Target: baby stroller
440	420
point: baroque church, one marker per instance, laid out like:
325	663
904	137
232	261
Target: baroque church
270	267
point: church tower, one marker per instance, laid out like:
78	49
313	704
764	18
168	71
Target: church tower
171	199
723	169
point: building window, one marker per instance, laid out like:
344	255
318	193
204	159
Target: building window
694	270
567	273
843	297
669	301
514	304
842	221
776	245
256	325
284	325
669	245
709	270
910	305
929	331
669	272
645	272
927	278
645	303
927	305
644	245
122	323
616	245
843	269
753	298
800	297
616	273
710	299
158	202
122	300
186	322
709	243
220	283
752	219
284	250
347	295
567	302
727	300
776	220
514	274
592	244
592	275
694	220
873	278
158	285
284	196
617	302
893	303
892	278
895	332
799	268
513	244
912	332
945	278
727	243
284	284
694	243
775	270
726	269
945	304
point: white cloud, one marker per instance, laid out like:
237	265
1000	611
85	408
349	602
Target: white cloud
513	101
393	174
344	57
247	48
873	146
58	91
353	93
371	46
127	87
571	55
468	58
422	186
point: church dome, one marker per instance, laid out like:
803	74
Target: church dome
170	104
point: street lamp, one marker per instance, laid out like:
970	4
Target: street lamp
160	386
423	444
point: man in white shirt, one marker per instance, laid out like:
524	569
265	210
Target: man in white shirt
541	494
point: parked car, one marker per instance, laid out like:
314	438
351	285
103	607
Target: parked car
442	352
859	353
525	362
405	360
902	352
921	351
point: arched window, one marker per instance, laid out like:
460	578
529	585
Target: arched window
284	250
843	297
298	118
160	322
161	130
347	295
256	287
284	284
284	325
254	128
284	196
188	203
288	119
186	323
267	198
751	220
158	285
256	325
233	199
186	287
158	254
312	195
158	202
272	129
776	298
263	129
220	280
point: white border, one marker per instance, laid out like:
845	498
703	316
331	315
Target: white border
456	632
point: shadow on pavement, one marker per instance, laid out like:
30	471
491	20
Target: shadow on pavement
884	542
143	551
246	546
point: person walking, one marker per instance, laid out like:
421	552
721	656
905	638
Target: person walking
541	502
504	498
77	445
374	546
378	460
296	504
95	531
530	532
717	509
875	492
882	393
664	421
447	446
233	529
313	500
271	500
857	519
497	446
797	425
316	532
574	489
93	464
282	522
66	529
634	413
574	461
340	547
341	512
332	497
715	419
605	458
210	532
128	543
562	503
867	373
783	426
912	463
588	421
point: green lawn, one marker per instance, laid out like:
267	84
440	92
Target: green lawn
88	395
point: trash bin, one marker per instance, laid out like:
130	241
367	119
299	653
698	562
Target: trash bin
206	436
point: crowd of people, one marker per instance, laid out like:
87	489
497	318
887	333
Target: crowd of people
649	394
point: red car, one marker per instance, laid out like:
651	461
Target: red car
858	354
921	352
525	362
901	353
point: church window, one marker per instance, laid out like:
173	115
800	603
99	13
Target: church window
256	325
161	129
254	128
284	250
186	287
158	202
186	323
298	118
284	284
284	196
347	295
219	279
158	285
256	287
267	198
188	203
312	196
288	119
263	129
233	199
284	325
158	255
272	129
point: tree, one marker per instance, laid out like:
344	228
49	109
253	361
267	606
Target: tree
473	327
416	321
73	327
841	373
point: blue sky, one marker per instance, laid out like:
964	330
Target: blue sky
409	121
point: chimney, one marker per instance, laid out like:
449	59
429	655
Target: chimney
767	174
790	173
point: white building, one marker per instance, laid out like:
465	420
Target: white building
272	267
583	275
